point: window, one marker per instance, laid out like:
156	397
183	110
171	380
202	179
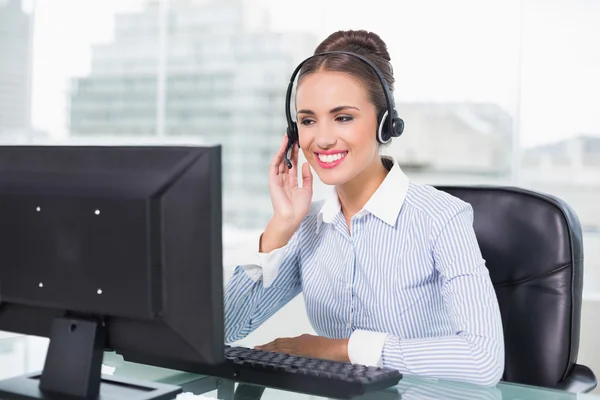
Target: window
490	92
559	122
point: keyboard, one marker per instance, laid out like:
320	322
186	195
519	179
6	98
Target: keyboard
306	375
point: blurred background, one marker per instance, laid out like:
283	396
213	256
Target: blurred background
500	92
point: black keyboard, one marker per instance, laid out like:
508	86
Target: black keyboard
307	375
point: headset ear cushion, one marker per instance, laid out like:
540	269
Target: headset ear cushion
383	136
398	126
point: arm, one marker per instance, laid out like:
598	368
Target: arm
475	353
258	290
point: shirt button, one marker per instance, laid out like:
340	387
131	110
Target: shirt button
348	325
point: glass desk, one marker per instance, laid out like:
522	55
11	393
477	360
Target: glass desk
20	354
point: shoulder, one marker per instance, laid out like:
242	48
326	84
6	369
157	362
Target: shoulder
436	205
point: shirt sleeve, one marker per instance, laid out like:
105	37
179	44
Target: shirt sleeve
264	265
260	288
475	352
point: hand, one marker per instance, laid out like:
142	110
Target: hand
291	202
310	346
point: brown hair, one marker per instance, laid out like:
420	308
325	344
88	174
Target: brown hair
367	44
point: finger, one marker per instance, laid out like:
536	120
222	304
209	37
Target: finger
285	351
281	169
307	178
293	172
264	347
278	349
278	159
295	153
276	344
284	143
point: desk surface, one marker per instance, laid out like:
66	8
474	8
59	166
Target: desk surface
20	355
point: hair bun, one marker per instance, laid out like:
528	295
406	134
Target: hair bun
355	41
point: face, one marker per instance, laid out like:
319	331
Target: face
336	126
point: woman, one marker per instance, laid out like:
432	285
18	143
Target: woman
391	271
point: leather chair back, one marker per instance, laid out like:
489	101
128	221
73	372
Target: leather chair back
532	244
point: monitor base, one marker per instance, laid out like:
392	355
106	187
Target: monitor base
27	387
73	369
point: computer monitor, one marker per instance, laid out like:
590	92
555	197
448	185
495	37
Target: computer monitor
111	248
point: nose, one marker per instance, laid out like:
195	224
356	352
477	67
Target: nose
325	139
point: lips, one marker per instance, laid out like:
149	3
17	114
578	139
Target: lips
330	159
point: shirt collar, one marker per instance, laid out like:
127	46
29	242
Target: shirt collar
384	204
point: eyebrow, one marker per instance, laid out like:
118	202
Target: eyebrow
332	111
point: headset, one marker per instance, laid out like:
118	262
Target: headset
390	124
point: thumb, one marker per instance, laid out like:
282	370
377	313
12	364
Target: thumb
307	178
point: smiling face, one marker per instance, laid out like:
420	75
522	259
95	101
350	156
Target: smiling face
337	123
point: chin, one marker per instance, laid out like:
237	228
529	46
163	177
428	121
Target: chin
332	177
336	176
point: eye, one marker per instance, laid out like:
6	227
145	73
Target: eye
306	121
344	118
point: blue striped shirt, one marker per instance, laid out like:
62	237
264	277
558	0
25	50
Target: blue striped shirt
407	284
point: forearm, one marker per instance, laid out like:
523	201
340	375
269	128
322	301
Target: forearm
478	360
248	303
241	295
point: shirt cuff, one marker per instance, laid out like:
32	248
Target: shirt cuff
265	265
366	348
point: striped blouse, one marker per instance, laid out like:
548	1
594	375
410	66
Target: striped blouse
407	284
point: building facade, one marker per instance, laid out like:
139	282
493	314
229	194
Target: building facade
14	69
225	83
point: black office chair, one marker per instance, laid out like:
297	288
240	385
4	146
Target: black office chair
532	244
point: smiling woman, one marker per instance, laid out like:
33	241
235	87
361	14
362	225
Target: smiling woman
391	271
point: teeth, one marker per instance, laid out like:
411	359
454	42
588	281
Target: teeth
331	157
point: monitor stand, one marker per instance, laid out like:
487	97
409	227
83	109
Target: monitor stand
73	370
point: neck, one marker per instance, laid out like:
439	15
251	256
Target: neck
355	194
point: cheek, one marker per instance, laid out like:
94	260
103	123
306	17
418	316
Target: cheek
305	140
360	137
